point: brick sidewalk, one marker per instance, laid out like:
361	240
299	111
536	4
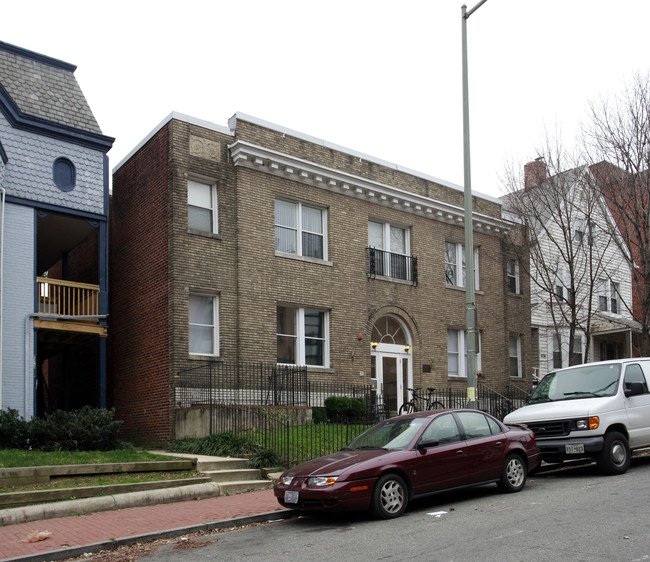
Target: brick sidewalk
85	530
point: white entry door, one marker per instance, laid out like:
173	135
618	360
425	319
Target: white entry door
394	373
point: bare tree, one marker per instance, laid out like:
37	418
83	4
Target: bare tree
568	240
617	139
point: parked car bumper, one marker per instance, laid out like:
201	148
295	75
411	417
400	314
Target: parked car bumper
557	450
352	496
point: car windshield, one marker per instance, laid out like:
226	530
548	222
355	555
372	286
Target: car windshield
397	433
583	382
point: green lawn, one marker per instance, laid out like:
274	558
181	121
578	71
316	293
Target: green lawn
13	458
299	443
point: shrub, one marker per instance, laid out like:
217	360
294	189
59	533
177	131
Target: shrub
343	408
265	458
14	430
319	415
220	445
86	429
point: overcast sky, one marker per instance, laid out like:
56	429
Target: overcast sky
379	77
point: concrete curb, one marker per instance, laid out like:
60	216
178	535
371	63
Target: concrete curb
170	533
106	503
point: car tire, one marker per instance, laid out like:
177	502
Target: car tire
513	474
390	497
615	457
406	408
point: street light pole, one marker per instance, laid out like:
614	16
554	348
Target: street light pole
471	312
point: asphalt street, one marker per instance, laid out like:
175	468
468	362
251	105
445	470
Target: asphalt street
575	514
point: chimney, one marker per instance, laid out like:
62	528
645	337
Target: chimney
535	172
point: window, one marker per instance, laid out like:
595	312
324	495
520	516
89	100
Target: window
457	353
515	356
64	174
302	336
608	296
576	354
202	206
475	425
634	373
204	325
562	283
389	250
557	351
455	275
444	429
300	230
512	276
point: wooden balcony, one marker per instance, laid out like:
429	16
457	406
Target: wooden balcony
68	306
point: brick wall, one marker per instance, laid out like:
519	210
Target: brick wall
156	263
139	344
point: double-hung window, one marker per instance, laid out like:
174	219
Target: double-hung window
515	356
457	353
302	336
608	296
389	250
512	276
300	229
455	268
202	206
557	351
204	325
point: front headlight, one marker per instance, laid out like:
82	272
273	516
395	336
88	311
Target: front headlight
321	480
286	480
588	423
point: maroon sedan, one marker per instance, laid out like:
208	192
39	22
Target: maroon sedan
412	456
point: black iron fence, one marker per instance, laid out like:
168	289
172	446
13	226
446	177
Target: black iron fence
269	404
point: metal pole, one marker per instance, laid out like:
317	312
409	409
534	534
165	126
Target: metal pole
470	304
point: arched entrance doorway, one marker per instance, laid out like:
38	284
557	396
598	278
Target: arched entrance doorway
392	368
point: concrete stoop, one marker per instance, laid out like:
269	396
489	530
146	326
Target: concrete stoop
219	476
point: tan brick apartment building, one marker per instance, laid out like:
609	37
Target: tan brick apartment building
257	243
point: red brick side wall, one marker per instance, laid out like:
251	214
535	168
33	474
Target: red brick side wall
139	295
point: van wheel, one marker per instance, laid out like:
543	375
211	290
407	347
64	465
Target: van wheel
615	456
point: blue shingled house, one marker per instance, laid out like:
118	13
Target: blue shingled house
54	200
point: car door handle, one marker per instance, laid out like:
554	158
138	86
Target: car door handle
498	444
459	452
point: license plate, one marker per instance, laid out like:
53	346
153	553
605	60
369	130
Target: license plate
574	449
290	496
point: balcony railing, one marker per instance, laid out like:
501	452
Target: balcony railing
396	266
66	298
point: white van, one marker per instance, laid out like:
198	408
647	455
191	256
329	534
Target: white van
597	410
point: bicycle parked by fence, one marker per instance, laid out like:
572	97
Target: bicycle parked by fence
420	402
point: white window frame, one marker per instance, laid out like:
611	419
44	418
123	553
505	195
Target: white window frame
513	275
460	270
214	325
461	353
609	299
300	336
516	357
299	229
213	208
386	247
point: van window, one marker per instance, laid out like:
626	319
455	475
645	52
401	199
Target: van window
634	373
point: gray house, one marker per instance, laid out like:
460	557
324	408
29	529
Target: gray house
53	238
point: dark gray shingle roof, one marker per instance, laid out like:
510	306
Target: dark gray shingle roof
45	88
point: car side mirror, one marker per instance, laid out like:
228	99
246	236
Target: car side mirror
428	444
634	388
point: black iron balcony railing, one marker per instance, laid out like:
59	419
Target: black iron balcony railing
397	266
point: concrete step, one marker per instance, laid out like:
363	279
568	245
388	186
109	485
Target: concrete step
220	464
237	475
230	488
